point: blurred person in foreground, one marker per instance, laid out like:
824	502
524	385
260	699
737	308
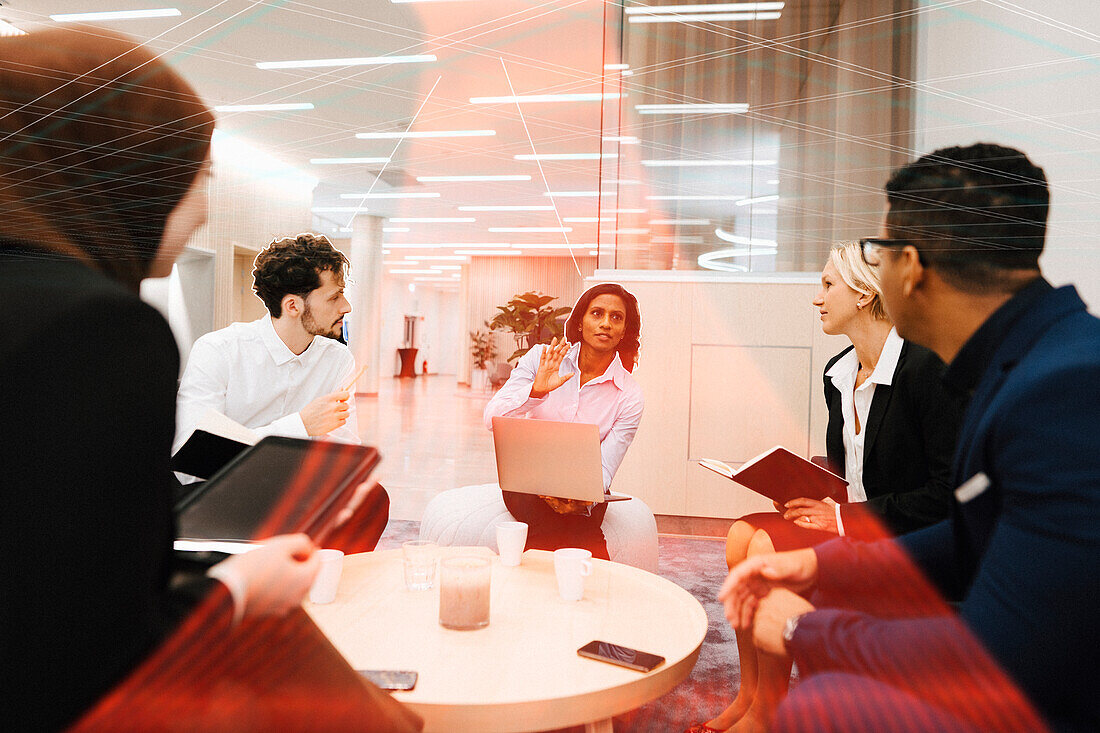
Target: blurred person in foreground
104	165
877	651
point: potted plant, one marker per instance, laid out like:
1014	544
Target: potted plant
531	320
482	349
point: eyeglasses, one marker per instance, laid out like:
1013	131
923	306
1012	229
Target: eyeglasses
871	247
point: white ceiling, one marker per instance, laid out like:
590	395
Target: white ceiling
550	47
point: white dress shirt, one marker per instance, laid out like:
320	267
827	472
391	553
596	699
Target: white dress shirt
248	374
613	401
855	403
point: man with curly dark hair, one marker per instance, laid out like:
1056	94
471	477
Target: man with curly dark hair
285	373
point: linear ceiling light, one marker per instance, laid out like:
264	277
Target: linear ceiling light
621	139
528	230
761	246
565	156
389	195
615	67
346	161
337	209
446	267
624	211
505	208
700	108
703	17
624	231
486	252
469	179
361	61
702	163
424	134
757	200
438	258
431	219
115	15
680	222
533	98
263	107
708	8
7	29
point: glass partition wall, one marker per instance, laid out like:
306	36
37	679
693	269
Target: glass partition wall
750	136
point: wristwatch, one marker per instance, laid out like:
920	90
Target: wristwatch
789	629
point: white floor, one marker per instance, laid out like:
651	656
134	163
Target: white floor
431	437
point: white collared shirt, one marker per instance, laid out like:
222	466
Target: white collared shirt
856	402
248	374
613	401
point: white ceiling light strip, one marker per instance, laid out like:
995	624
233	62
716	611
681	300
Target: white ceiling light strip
703	17
708	8
115	15
530	230
360	61
679	222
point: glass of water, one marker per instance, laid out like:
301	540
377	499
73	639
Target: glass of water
420	563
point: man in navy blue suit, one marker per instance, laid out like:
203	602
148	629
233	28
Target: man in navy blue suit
1020	553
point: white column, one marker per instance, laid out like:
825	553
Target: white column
366	300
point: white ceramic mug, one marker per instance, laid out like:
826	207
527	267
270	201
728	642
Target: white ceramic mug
511	541
324	585
572	565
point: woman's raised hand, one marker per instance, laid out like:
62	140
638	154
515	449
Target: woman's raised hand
547	378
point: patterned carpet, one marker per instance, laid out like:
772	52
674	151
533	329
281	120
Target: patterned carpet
698	566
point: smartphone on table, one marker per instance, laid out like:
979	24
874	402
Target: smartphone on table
623	656
390	679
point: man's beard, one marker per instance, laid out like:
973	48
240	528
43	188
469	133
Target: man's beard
314	329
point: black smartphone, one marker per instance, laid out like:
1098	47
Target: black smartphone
390	679
621	655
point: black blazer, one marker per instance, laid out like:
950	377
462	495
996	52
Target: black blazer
87	399
910	439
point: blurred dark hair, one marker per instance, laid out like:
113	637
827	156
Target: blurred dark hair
975	213
293	266
101	141
629	346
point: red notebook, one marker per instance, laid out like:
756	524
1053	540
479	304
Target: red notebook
781	476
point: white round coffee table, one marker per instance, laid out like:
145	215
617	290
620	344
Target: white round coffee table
521	672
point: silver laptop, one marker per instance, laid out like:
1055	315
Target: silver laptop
550	458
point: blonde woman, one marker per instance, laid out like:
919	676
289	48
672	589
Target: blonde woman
891	434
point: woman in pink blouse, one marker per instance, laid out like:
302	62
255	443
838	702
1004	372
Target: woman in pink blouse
583	378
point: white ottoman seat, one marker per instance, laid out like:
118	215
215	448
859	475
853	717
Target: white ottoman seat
468	515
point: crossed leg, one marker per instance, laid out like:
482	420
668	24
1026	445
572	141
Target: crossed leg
764	678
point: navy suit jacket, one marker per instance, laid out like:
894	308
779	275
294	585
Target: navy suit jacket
1022	546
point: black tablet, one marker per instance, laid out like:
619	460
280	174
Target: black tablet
278	485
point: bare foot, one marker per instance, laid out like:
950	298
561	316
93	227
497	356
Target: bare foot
751	722
730	715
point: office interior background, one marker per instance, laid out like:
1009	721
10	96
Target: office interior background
704	155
